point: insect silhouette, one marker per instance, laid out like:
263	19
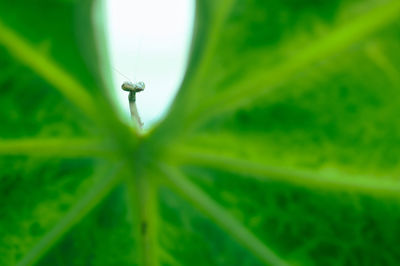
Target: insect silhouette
133	88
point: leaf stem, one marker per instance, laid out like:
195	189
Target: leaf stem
143	199
220	216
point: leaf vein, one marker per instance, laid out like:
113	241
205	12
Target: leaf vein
220	216
266	80
49	70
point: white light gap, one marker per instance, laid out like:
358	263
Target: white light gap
149	41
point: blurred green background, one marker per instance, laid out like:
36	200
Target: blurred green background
280	147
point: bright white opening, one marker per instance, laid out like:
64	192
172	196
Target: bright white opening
149	41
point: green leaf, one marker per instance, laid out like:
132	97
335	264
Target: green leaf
281	147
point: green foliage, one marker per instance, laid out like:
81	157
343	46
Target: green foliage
281	147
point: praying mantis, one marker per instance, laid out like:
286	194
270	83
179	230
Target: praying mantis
133	88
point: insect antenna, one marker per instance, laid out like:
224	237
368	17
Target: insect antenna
121	74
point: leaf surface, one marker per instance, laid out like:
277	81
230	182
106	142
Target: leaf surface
280	148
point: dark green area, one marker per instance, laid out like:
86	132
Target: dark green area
104	237
315	227
192	235
36	194
32	108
